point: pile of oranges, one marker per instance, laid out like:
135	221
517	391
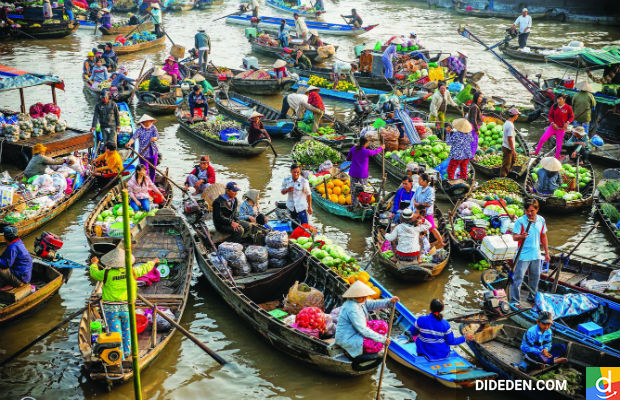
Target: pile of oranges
363	276
336	190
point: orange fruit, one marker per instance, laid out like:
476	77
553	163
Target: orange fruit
330	185
346	190
372	200
333	198
323	196
342	200
377	293
321	189
349	200
338	182
363	276
351	279
337	190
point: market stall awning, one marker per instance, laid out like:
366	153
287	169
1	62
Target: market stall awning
588	58
11	79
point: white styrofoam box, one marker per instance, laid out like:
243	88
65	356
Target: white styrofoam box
511	246
494	248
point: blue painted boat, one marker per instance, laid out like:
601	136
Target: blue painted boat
129	162
351	97
453	371
273	23
283	7
606	315
239	108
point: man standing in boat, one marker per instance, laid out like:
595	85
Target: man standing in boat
202	43
299	201
106	115
509	152
524	23
300	26
15	262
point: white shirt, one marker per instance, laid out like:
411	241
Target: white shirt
254	3
296	100
340	67
523	22
297	199
509	130
300	27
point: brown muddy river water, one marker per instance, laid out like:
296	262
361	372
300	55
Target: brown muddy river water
52	368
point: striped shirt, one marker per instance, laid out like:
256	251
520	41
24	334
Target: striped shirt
434	337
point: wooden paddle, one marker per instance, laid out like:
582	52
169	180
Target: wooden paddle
158	170
558	269
587	258
385	351
135	86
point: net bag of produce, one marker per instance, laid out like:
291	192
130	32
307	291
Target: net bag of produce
259	266
279	253
276	239
300	296
311	318
218	262
228	250
381	327
256	254
235	258
278	262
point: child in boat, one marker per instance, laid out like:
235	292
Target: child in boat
408	235
249	209
536	344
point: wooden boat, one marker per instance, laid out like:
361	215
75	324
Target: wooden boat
276	51
499	14
123	94
346	139
454	371
607	155
325	28
206	4
44	284
610	226
517	170
252	296
104	244
259	87
557	204
284	8
536	53
377	82
125	29
164	236
371	94
37	29
412	272
160	103
26	226
606	315
181	5
239	107
361	214
239	148
122	50
497	348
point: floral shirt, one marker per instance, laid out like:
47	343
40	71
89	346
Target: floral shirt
144	136
460	145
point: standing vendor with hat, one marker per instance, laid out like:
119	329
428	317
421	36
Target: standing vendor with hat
202	43
352	329
15	261
156	17
279	69
460	140
202	176
549	178
225	215
114	290
509	151
155	84
256	130
39	161
147	136
578	144
388	55
524	23
583	105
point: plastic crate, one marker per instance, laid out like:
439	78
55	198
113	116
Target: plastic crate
590	328
277	313
280	226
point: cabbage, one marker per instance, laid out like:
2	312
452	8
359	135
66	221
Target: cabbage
559	193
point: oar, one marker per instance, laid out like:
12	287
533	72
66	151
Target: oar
135	86
503	207
238	12
559	267
385	351
43	336
184	331
587	258
156	169
268	143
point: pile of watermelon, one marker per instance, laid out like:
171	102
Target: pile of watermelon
430	152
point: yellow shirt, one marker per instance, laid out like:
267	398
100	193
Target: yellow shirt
112	161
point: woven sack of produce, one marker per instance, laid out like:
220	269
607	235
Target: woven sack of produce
256	254
218	262
301	296
403	143
389	133
276	239
391	145
259	266
278	262
277	252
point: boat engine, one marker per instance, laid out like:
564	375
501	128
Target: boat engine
495	302
108	348
46	245
193	211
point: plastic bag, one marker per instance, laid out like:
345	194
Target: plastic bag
276	239
381	327
259	266
277	262
218	262
256	254
279	253
301	296
229	250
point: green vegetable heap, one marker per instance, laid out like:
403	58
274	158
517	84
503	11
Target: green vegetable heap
610	190
568	173
330	254
574	379
495	160
212	128
314	153
430	152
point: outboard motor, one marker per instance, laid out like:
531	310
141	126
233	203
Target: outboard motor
193	211
496	302
46	246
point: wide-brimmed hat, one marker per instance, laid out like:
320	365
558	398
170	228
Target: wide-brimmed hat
279	64
583	85
314	32
462	125
198	78
311	88
461	52
105	10
579	130
130	14
38	148
358	289
407	214
170	58
252	194
116	259
155	5
158	72
397	40
525	9
255	114
551	164
145	118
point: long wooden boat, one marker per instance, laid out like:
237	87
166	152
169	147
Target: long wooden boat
44	284
346	135
361	214
250	296
497	348
239	108
164	236
411	272
377	82
454	371
181	5
259	87
284	8
536	53
239	148
607	155
606	315
499	14
26	226
610	226
125	29
351	97
277	51
558	204
325	28
39	30
123	94
122	50
517	170
160	103
104	244
206	4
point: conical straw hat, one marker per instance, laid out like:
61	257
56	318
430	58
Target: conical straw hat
116	258
358	289
551	164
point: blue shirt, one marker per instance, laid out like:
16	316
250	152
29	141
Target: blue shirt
193	98
460	145
351	328
435	337
424	196
388	54
531	247
401	195
534	341
119	78
548	181
17	259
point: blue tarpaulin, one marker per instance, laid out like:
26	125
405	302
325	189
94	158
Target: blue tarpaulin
11	79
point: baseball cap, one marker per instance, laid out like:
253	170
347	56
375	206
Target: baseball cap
232	186
514	111
545	317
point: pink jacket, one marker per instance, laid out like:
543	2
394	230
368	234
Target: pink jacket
172	71
140	191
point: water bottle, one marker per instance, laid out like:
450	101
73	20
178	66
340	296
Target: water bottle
544	266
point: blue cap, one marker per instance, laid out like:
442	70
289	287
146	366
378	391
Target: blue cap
232	186
413	34
9	231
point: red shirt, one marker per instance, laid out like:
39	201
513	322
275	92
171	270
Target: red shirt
315	100
561	115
